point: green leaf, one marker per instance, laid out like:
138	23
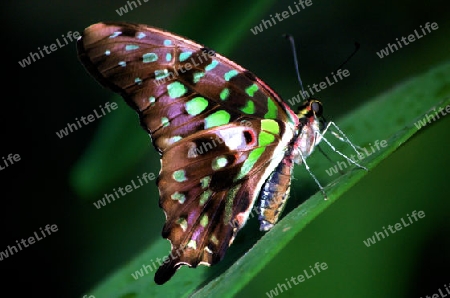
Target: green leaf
392	116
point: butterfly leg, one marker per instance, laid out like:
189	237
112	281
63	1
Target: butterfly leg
344	139
313	176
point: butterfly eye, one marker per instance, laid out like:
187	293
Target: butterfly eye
316	107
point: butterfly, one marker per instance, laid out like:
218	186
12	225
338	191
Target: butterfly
226	139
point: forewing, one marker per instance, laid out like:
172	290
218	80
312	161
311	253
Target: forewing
174	86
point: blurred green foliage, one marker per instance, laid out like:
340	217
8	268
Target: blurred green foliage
107	245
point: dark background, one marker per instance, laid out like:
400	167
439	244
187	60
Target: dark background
90	244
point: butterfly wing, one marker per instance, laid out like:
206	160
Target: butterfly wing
207	196
186	97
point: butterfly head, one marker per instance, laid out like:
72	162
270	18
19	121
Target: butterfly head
309	110
310	113
311	123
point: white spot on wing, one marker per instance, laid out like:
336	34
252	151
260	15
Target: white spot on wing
233	137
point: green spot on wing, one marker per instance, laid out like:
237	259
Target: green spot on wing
228	75
214	239
174	139
265	138
212	65
165	121
229	203
219	162
250	162
196	105
249	107
204	197
149	57
140	35
179	176
198	76
184	56
251	90
271	109
204	220
218	118
115	34
183	223
168	57
176	89
178	197
224	93
270	126
161	74
130	47
205	181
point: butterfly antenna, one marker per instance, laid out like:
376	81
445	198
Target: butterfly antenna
294	52
357	46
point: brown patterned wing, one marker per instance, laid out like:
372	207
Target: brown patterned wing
174	85
208	193
221	131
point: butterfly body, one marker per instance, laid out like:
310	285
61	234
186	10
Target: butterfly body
225	137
